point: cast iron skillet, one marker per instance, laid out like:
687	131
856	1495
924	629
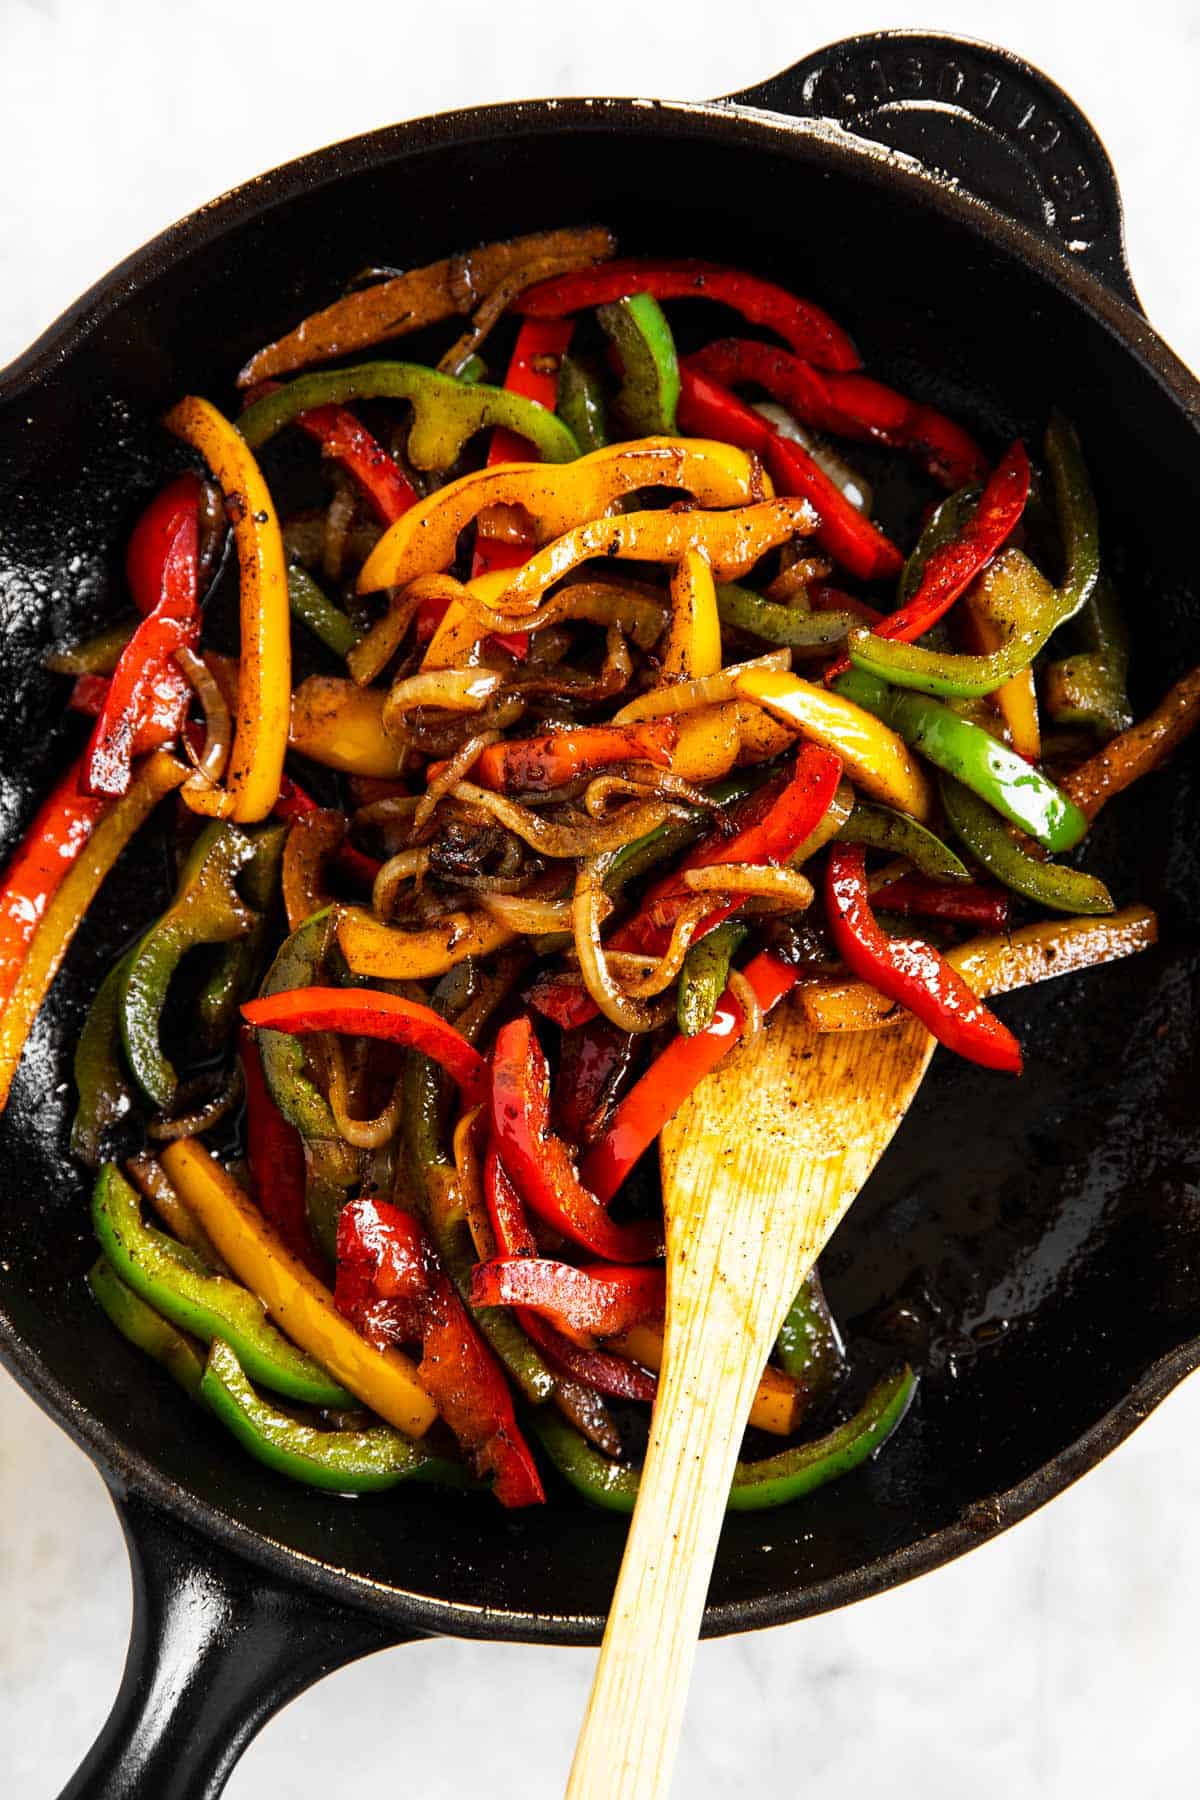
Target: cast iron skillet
1036	1243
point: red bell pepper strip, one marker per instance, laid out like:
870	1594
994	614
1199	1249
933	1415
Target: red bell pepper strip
598	1301
170	696
809	330
909	971
563	999
356	864
550	761
56	836
600	1369
952	569
971	903
153	536
848	404
592	1066
344	438
771	823
540	1163
386	1245
707	409
132	694
672	1076
275	1153
367	1012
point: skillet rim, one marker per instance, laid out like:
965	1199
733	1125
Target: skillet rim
126	1471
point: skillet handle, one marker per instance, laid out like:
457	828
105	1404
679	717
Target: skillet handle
215	1649
981	115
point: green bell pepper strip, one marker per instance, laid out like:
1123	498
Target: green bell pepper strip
1078	519
647	400
1020	598
1049	884
635	859
880	828
808	1346
239	965
97	655
314	609
756	1485
705	975
146	1329
424	1110
581	405
343	1462
1089	688
105	1092
207	909
446	411
179	1284
997	774
945	522
811	632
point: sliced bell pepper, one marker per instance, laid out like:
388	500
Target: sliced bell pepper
672	1076
167	696
644	354
102	1083
540	763
393	953
778	1399
693	646
874	757
812	633
238	968
344	438
275	1158
962	903
293	802
911	972
180	1286
384	1380
173	624
456	1365
251	784
446	410
146	1329
710	410
538	1160
593	1064
580	402
990	843
314	609
705	975
1089	687
952	567
949	518
965	750
368	1461
809	1347
773	1481
1139	750
207	909
558	498
339	724
809	330
599	1300
52	844
93	846
95	656
848	404
366	1012
879	828
152	537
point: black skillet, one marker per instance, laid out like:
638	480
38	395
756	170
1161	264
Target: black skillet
1036	1243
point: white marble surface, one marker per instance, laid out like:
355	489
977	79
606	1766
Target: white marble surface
1057	1661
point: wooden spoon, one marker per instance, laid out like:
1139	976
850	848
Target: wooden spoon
758	1169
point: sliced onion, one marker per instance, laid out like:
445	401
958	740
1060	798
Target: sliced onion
748	1000
372	654
856	489
752	878
661	783
201	1118
468	1170
706	690
362	1134
626	1013
460	765
218	726
652	974
488	315
530	916
632	607
339	518
406	865
575	684
588	838
450	690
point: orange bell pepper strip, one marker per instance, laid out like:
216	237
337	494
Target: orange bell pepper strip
1137	751
550	761
251	784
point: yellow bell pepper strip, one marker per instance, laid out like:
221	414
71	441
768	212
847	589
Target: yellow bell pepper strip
983	626
680	697
64	914
965	750
761	738
1139	750
384	1380
446	410
990	965
876	759
708	743
420	297
777	1403
265	669
731	543
558	498
693	646
390	953
341	725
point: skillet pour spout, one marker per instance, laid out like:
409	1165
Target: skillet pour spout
1040	1246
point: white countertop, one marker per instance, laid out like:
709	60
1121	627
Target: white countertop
1056	1661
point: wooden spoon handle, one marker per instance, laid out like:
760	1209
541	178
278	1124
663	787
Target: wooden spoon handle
729	1284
